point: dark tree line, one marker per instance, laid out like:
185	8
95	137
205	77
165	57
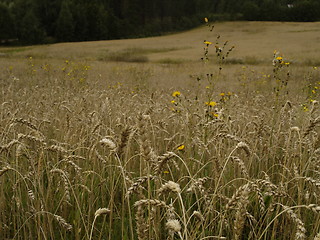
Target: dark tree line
47	21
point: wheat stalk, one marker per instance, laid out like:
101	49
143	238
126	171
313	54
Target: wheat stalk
99	212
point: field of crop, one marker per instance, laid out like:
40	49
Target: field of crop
197	135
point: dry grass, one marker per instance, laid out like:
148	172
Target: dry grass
93	149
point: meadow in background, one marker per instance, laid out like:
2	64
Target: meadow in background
141	139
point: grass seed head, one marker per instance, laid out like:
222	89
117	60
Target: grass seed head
108	142
101	211
173	225
170	186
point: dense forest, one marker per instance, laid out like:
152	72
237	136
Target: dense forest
49	21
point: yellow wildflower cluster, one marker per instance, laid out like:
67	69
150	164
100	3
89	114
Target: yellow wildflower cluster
75	71
225	96
176	94
32	67
214	114
278	60
176	101
315	92
46	67
181	147
211	104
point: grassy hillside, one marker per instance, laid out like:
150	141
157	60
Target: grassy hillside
253	40
140	139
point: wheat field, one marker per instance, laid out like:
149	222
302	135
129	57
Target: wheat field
141	139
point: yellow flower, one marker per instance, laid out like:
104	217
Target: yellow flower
215	115
313	91
211	104
279	58
166	172
176	94
287	63
222	94
181	147
207	42
206	20
173	101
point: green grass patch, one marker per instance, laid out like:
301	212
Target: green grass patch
249	60
14	50
135	55
171	61
126	55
